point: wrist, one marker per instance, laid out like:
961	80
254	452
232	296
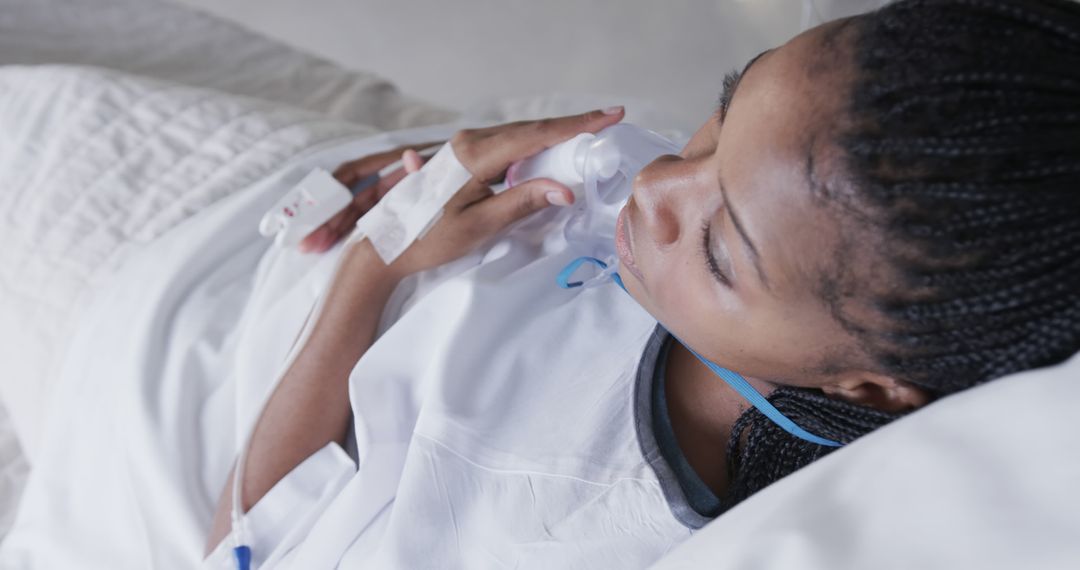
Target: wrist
363	257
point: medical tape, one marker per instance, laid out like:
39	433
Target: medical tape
372	179
406	212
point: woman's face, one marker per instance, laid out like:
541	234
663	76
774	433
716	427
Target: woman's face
725	244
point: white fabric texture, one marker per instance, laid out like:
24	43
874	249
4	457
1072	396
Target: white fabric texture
415	204
140	429
13	470
97	163
39	301
505	458
39	286
468	457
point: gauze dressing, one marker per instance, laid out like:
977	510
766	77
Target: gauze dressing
414	205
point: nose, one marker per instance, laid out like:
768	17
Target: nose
663	193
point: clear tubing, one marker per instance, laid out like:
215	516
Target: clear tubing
239	530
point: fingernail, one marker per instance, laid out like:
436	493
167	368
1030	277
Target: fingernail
556	199
511	174
613	110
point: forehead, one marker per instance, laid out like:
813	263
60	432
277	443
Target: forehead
775	155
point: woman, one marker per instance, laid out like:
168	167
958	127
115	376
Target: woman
881	212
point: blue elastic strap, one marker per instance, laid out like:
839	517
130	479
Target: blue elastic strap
736	381
243	557
563	278
733	379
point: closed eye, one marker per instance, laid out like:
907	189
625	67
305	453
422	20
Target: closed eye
710	259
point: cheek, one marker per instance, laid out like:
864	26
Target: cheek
685	298
706	322
754	336
716	321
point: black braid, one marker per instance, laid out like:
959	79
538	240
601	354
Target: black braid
1011	164
769	453
964	150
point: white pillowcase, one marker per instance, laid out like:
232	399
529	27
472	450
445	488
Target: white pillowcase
988	478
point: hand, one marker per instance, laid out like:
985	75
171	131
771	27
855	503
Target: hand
325	236
476	214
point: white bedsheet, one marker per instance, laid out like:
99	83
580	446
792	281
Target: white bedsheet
126	168
96	163
13	470
182	345
70	245
89	205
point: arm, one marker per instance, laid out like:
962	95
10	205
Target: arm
310	407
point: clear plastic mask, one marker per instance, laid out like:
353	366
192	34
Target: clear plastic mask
600	169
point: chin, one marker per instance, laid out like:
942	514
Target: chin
637	290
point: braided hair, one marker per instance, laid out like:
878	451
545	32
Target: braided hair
963	149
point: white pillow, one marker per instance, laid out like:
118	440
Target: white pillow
987	478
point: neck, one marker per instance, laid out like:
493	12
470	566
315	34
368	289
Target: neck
702	410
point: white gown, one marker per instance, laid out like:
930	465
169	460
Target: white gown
494	417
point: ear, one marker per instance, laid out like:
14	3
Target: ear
878	391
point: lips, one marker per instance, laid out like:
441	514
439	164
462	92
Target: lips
622	243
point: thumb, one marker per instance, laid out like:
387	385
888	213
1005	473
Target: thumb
522	200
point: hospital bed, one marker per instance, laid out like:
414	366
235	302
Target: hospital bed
985	479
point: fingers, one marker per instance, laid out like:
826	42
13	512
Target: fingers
498	211
487	153
337	227
333	230
317	241
387	182
351	172
411	162
473	193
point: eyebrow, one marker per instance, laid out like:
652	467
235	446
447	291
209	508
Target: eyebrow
727	94
752	251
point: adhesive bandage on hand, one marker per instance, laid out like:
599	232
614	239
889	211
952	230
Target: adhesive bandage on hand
412	206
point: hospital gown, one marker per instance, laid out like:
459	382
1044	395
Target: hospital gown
495	416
